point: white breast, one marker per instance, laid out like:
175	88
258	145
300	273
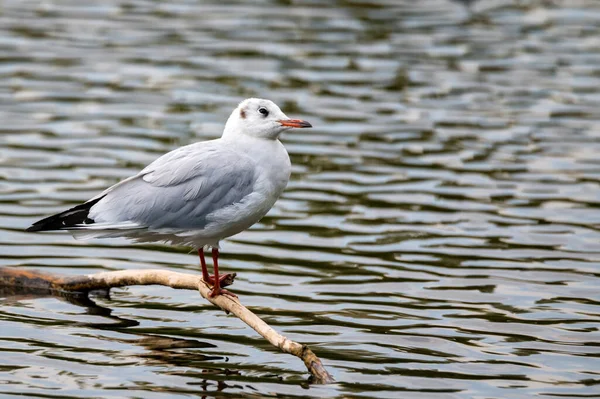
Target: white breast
274	169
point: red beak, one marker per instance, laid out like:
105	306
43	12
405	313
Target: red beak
294	123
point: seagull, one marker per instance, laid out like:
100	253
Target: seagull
198	194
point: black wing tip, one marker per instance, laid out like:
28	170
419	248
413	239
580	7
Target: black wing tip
34	228
66	219
48	224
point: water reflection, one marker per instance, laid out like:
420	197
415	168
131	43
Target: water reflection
438	237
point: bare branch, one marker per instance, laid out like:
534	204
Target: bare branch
311	361
19	278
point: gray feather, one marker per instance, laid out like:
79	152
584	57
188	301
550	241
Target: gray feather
180	189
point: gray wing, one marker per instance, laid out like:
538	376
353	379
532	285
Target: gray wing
179	189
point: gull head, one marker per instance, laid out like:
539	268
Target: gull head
260	118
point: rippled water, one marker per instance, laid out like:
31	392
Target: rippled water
439	237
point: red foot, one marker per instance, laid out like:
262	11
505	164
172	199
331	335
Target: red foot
215	280
211	279
221	291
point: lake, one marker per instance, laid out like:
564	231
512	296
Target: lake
439	237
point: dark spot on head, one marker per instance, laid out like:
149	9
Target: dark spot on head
242	113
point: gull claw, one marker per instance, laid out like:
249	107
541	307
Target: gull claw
224	279
214	292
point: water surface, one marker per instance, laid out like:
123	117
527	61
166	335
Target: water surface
439	237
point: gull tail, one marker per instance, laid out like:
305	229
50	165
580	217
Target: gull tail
70	218
105	230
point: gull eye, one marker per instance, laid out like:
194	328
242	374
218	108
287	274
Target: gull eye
263	111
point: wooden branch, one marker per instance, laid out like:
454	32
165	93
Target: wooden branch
33	279
311	361
26	279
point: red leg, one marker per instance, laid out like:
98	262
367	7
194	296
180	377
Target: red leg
217	290
205	275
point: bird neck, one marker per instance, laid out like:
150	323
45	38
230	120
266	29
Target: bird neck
232	128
